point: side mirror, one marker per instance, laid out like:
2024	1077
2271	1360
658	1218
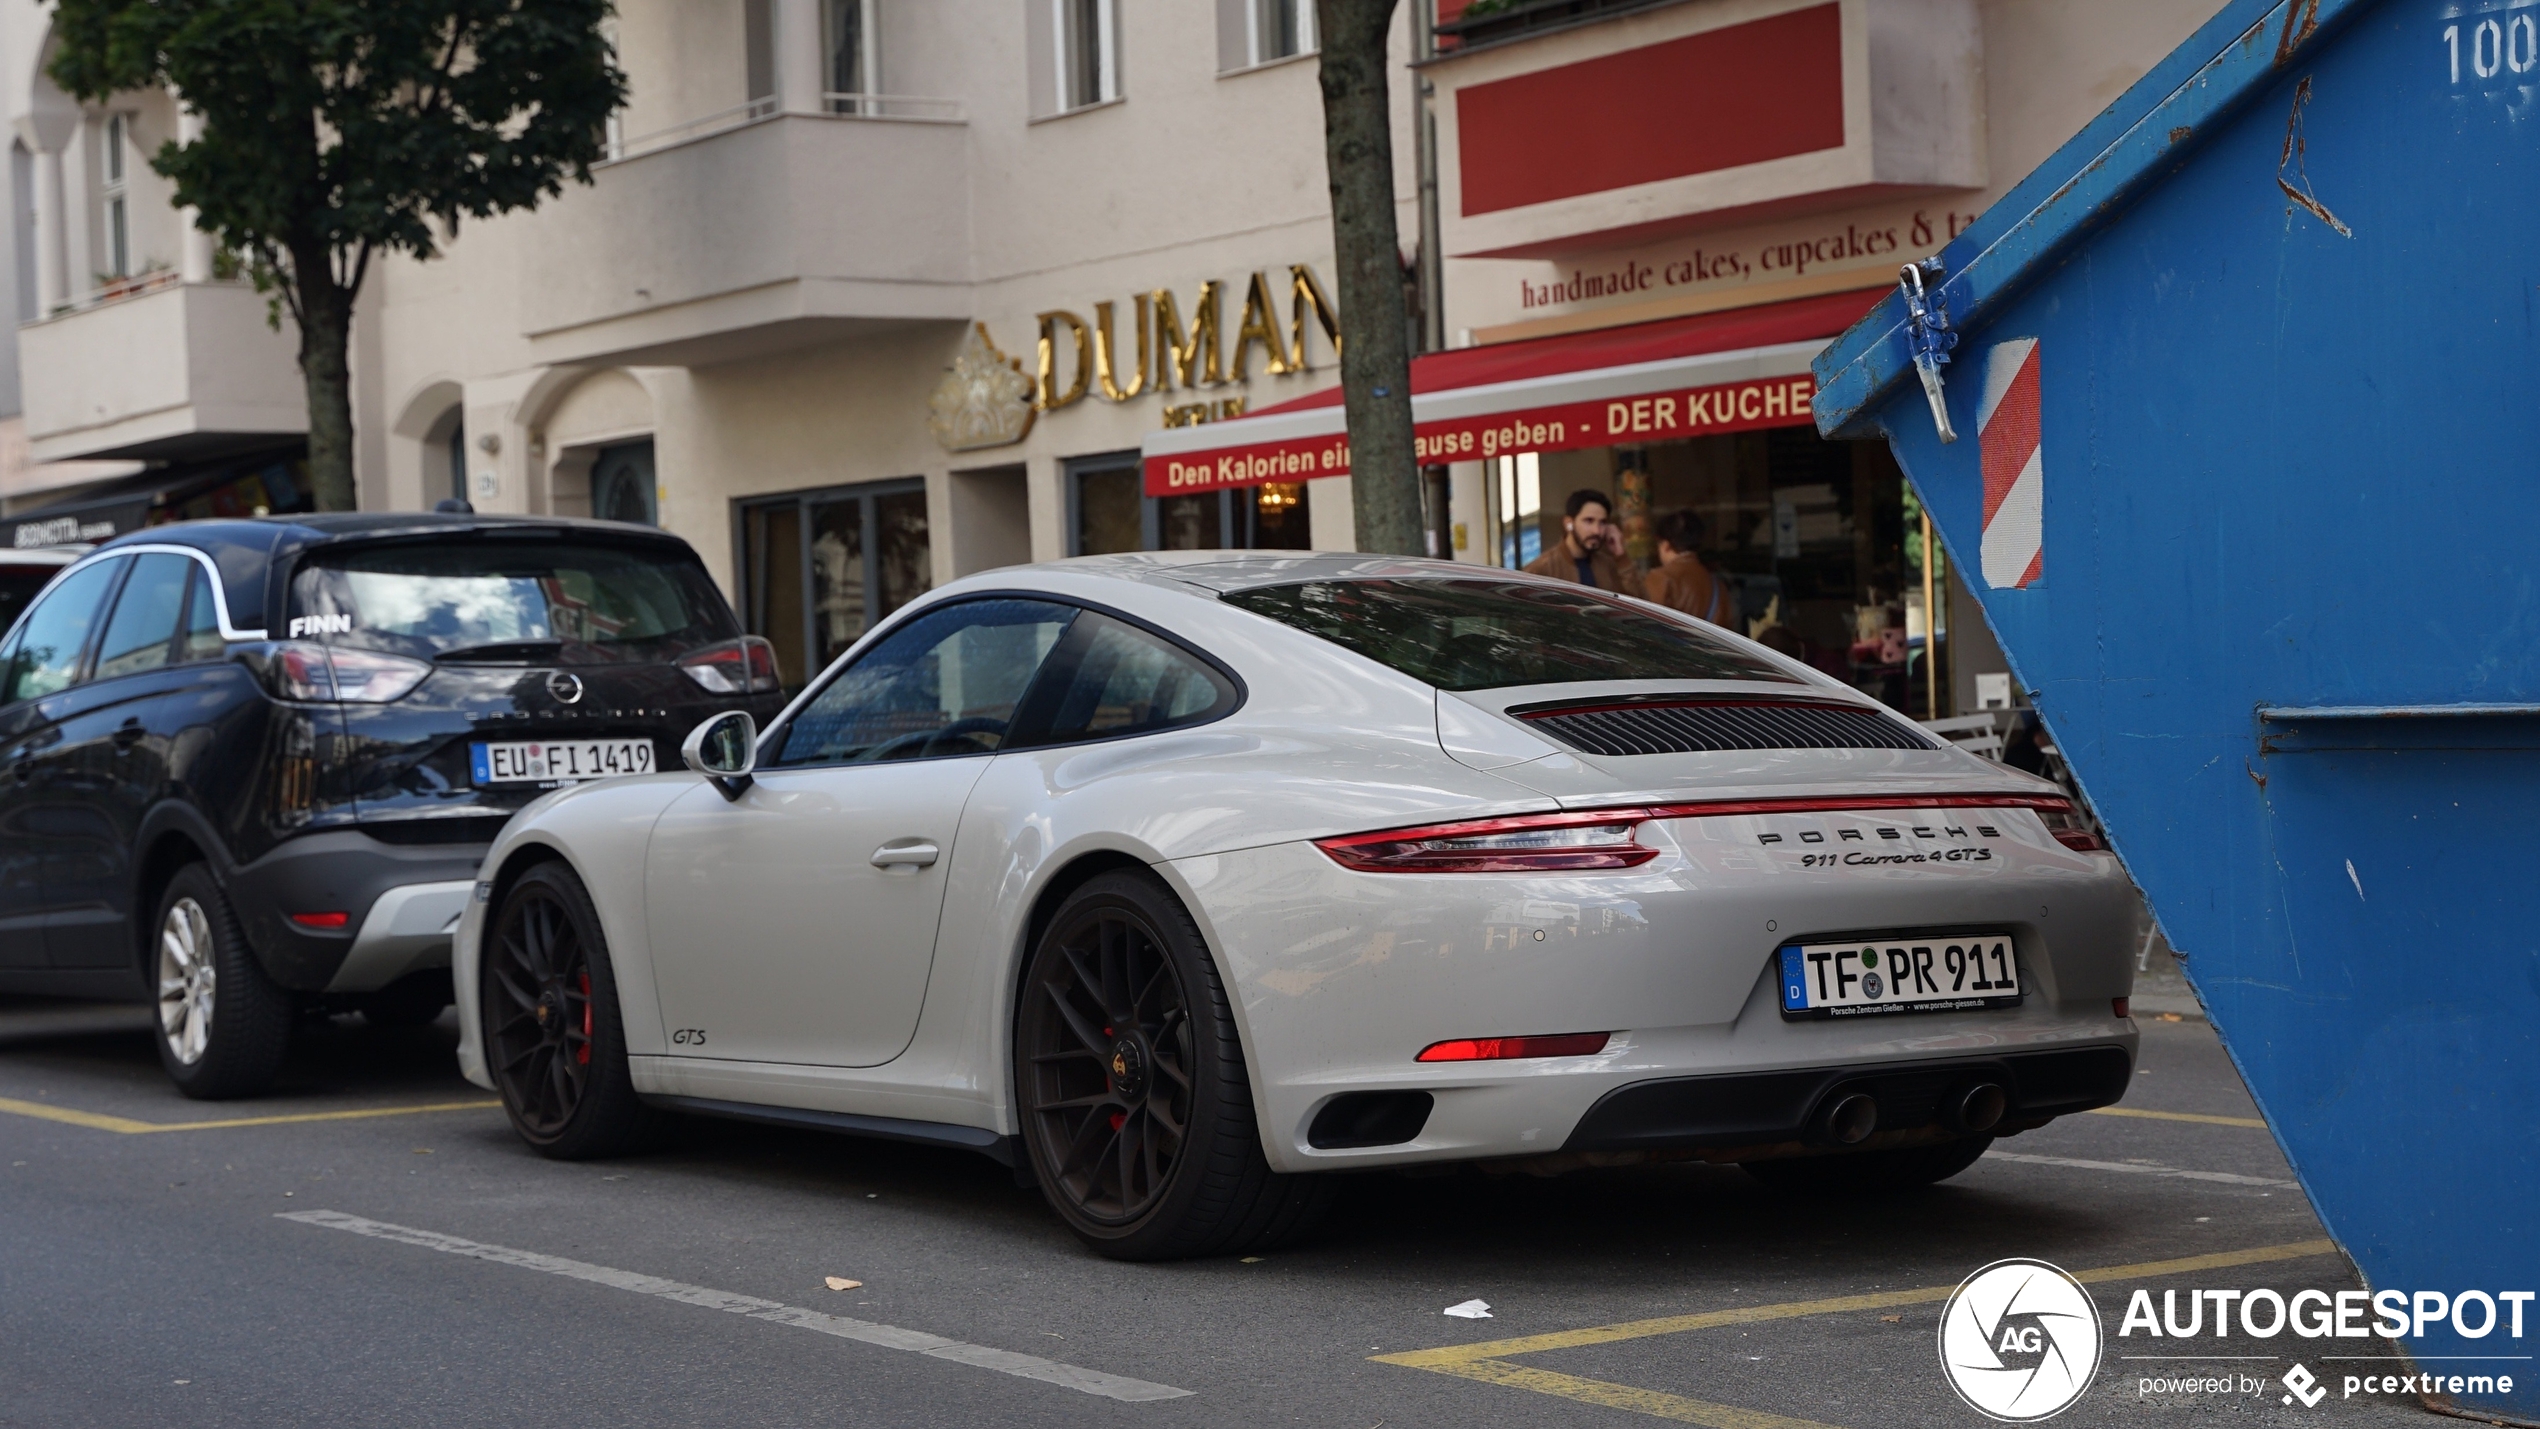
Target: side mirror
725	750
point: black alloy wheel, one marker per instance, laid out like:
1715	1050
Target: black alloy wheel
553	1041
1137	1115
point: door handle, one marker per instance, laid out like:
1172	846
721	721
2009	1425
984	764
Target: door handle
915	855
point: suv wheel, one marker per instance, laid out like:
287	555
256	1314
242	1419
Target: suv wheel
1136	1111
553	1037
223	1026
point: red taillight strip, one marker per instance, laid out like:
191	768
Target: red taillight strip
1359	851
1849	802
1501	1049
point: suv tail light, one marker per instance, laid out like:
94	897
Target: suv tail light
1527	843
305	671
746	666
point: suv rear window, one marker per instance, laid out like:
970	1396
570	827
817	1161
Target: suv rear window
510	601
1485	634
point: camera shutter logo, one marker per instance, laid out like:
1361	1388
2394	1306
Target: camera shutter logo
2020	1341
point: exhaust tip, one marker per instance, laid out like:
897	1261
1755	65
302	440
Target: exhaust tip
1852	1118
1979	1108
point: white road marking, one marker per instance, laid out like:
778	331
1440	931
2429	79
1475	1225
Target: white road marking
889	1337
2134	1168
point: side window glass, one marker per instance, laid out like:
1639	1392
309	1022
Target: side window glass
202	620
945	684
142	633
56	631
1125	681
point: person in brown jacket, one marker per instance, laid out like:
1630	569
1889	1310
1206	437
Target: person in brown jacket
1591	549
1681	580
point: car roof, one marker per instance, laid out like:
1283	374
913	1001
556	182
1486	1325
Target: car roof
1220	572
245	550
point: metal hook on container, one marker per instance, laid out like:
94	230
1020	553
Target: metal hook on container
1927	328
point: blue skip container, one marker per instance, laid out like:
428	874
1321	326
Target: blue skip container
2231	413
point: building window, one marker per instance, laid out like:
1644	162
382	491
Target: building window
819	568
855	60
118	205
622	484
458	454
1109	512
1259	32
1075	48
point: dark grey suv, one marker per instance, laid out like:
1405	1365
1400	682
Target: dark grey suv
248	768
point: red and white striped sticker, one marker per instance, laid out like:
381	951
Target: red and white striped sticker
2014	549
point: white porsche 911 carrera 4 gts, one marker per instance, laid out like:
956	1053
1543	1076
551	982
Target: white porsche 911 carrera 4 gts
1177	880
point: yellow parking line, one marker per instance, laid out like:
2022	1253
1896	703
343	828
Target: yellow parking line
2249	1121
1487	1360
98	1122
1622	1396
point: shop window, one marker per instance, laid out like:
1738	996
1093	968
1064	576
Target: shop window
1075	54
1257	32
1111	512
819	568
1809	536
623	485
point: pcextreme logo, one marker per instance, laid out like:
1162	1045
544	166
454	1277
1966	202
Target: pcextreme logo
2020	1340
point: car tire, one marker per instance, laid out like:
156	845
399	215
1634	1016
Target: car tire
223	1027
1900	1168
412	1001
1131	1086
555	1042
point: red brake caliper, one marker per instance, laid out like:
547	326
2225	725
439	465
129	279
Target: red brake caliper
582	1054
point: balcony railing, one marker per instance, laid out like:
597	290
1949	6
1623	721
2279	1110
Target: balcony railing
837	104
907	107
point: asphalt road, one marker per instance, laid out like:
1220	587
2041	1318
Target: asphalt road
438	1273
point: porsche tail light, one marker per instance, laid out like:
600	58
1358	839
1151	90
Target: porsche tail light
1526	843
746	666
1501	1049
2069	827
305	671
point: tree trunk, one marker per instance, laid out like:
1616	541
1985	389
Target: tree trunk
326	331
1375	323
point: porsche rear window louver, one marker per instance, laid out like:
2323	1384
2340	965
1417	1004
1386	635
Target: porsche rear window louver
1714	726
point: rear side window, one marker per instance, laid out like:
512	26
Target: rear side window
947	683
1114	679
202	620
57	631
142	632
509	601
1460	634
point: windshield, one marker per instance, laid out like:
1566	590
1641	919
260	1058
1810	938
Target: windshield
511	602
1483	634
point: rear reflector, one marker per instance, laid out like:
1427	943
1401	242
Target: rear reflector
321	920
2124	1006
1502	1049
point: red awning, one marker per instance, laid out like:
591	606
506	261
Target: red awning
1679	377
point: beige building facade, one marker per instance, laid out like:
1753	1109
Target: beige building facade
876	293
